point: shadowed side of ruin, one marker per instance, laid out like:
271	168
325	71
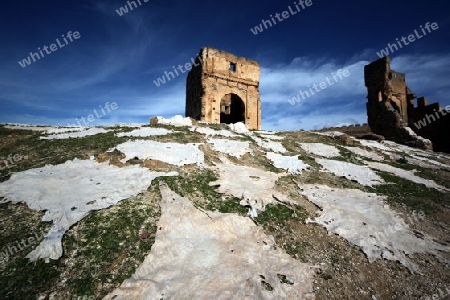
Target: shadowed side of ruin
224	88
432	122
392	113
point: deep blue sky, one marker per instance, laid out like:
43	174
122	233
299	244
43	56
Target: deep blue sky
117	58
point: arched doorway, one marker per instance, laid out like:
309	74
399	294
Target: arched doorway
232	109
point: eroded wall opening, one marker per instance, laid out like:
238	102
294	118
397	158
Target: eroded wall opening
232	67
394	107
232	109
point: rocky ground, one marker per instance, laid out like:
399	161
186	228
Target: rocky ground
263	182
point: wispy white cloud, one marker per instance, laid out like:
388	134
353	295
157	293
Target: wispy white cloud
122	75
426	74
344	102
282	82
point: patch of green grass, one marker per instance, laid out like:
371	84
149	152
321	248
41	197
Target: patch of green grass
7	131
230	205
184	138
119	128
416	196
402	164
188	183
20	278
277	221
107	246
170	127
318	177
307	159
24	280
42	152
441	176
347	156
99	252
97	144
290	147
195	186
244	138
264	162
279	216
217	126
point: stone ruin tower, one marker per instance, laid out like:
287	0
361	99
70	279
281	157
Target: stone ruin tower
224	88
390	104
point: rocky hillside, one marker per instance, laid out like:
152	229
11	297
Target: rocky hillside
176	210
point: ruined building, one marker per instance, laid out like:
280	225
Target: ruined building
224	88
392	112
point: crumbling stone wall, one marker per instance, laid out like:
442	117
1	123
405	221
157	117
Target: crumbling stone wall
389	101
431	122
224	88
